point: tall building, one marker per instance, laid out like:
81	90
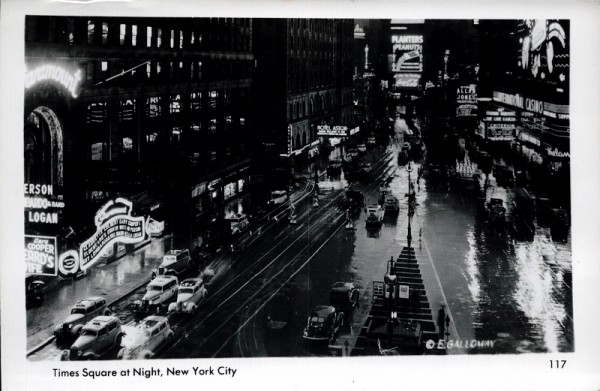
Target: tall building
303	79
149	109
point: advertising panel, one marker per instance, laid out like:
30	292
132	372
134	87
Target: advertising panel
114	224
40	255
407	53
407	80
41	205
335	131
501	132
466	100
544	50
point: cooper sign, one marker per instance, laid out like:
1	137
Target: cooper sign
40	255
114	224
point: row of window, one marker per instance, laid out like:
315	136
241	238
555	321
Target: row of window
97	112
160	71
110	32
301	108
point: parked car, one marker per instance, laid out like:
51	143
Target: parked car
146	339
344	297
173	263
371	141
35	290
362	148
159	293
323	323
97	337
191	292
83	311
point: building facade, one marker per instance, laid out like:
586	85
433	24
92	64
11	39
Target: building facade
303	79
153	110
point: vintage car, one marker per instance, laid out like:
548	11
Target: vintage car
374	217
82	312
34	291
159	293
344	297
191	292
323	323
239	224
278	197
496	211
391	205
174	262
97	337
144	340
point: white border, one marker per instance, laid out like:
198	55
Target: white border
465	372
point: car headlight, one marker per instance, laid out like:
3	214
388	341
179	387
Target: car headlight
70	326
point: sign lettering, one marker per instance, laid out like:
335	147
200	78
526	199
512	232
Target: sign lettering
40	255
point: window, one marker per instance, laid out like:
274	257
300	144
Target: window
195	101
90	32
180	39
193	38
153	107
213	125
192	75
104	33
148	37
148	69
213	97
158	68
228	123
159	38
176	134
199	70
122	33
104	66
172	39
175	105
96	113
97	151
134	35
127	112
71	31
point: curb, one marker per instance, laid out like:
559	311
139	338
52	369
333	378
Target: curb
40	346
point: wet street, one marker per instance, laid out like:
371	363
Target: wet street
495	287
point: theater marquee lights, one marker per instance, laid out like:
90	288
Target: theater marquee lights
70	81
114	224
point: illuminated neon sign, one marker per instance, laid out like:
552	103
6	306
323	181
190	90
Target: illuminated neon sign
40	255
55	73
114	224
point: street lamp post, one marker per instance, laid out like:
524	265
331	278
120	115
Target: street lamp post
410	205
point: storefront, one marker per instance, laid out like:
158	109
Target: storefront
210	197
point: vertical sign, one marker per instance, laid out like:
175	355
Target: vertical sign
40	255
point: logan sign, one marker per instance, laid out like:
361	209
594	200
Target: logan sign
114	224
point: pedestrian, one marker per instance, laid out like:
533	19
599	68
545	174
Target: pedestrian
447	324
440	321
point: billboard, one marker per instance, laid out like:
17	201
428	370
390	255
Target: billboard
335	131
406	80
544	50
407	53
114	224
501	124
40	255
466	100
